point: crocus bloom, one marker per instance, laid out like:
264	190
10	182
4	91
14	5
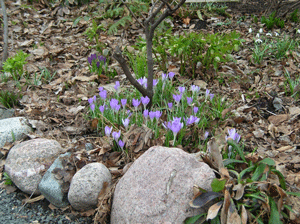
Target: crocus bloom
102	58
181	89
146	113
158	114
116	135
92	107
117	107
152	114
189	100
164	77
91	58
113	103
177	98
170	105
145	100
171	75
135	102
125	122
195	88
175	125
107	130
211	96
155	82
195	109
100	88
103	94
98	64
206	135
117	85
123	102
121	144
192	119
91	100
101	108
233	135
143	81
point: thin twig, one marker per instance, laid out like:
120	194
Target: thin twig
133	14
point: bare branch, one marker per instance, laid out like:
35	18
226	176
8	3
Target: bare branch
5	34
118	56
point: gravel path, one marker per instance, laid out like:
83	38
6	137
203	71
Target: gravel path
11	211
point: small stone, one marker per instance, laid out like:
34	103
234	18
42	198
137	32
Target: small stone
86	186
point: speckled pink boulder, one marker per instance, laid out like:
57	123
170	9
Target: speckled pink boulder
158	186
26	160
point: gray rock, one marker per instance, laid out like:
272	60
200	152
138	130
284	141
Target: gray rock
27	160
89	146
86	186
6	113
51	187
158	186
12	129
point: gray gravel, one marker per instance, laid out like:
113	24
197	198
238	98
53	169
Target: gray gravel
38	212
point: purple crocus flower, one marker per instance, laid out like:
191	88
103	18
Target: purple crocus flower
155	81
145	100
164	77
158	114
152	114
170	105
136	102
102	58
233	135
125	122
101	88
195	109
121	144
94	98
211	96
195	88
117	85
143	81
207	94
189	100
92	107
181	89
101	108
107	130
103	94
177	98
98	64
117	107
91	100
116	135
113	103
91	58
171	75
146	113
206	135
192	119
123	102
175	125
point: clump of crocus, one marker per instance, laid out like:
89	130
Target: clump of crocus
233	135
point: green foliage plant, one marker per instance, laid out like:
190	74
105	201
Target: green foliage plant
9	99
272	20
138	62
292	84
294	17
245	189
7	180
15	65
93	33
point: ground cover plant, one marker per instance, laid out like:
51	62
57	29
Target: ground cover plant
214	70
